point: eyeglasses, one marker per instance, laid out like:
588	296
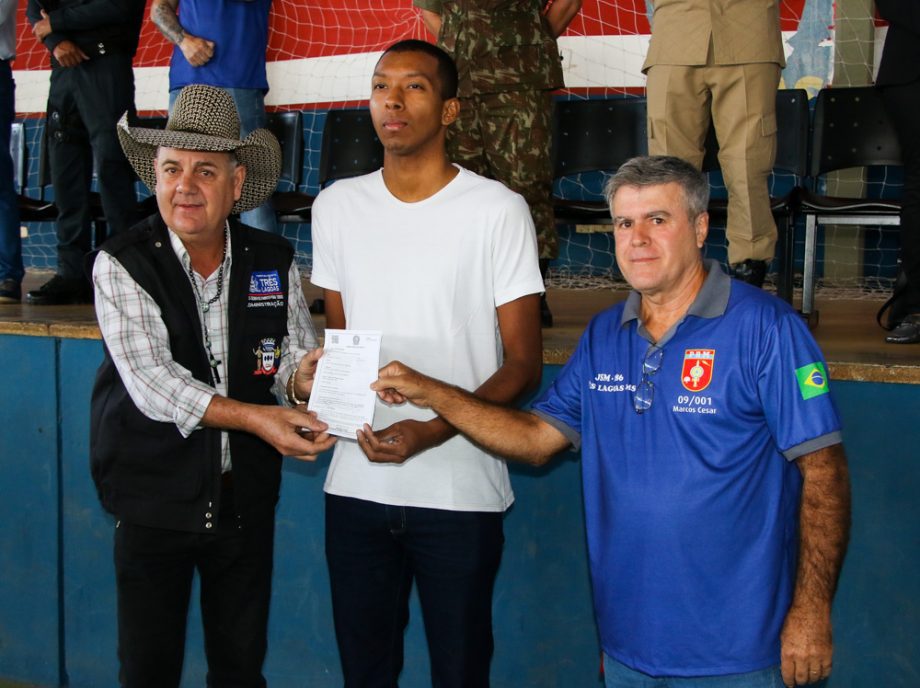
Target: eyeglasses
645	390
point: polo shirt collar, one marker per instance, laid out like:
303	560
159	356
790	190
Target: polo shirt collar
710	302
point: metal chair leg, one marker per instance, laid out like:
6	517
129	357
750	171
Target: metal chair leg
809	273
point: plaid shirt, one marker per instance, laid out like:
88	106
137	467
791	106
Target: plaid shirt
138	342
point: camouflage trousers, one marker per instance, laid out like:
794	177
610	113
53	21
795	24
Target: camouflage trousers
506	136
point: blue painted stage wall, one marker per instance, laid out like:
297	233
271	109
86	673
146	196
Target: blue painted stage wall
57	608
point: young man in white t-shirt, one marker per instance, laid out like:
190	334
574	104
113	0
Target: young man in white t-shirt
444	262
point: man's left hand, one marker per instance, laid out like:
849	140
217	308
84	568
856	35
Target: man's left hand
396	443
305	373
69	54
807	646
42	27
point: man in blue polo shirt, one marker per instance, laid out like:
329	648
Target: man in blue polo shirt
221	43
715	484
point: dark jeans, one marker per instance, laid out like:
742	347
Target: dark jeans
154	569
84	104
902	103
374	551
10	243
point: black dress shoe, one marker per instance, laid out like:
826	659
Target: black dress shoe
61	290
10	291
907	332
751	271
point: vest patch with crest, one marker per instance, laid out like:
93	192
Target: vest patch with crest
267	354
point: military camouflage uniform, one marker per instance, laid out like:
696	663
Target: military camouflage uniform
508	64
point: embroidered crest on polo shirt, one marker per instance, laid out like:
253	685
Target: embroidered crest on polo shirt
265	290
696	373
267	354
812	380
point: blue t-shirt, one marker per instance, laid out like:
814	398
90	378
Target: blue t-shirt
691	508
239	29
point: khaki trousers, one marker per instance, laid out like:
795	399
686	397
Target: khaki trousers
741	101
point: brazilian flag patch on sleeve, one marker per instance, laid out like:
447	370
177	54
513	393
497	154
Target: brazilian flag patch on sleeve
812	380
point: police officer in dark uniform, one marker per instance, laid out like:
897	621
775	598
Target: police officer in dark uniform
92	44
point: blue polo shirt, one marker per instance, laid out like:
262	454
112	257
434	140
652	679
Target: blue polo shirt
691	507
239	29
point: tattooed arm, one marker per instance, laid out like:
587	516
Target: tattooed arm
195	49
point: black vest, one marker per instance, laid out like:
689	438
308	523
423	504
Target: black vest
145	471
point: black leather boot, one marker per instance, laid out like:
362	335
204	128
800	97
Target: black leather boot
751	271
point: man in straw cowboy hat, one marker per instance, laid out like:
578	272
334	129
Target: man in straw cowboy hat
205	327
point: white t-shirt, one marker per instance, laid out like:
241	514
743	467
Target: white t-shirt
429	275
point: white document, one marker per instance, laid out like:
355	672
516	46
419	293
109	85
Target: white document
342	396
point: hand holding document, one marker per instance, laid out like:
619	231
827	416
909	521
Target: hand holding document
342	396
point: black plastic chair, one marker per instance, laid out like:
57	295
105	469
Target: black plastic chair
595	136
290	205
30	209
851	129
350	146
792	127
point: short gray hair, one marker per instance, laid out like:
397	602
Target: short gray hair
653	170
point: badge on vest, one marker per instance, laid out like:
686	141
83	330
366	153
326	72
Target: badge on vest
696	373
265	290
267	354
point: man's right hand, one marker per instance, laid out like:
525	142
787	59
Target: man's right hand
197	51
293	432
68	54
397	383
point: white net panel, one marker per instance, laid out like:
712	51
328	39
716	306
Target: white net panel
320	58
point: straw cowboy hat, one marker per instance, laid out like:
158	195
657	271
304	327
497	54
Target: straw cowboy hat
204	118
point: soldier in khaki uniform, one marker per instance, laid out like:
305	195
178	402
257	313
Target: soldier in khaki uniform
509	65
721	59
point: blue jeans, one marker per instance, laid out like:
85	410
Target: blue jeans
618	675
250	104
10	241
374	551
